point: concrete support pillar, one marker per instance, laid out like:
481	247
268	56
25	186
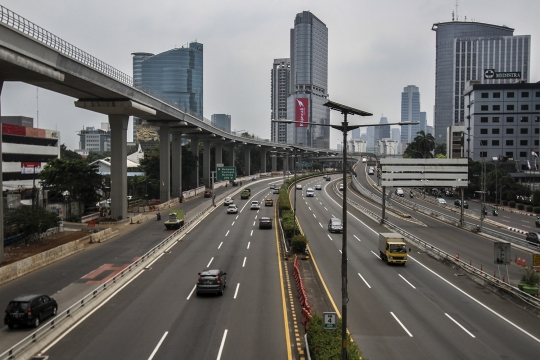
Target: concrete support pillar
231	155
176	188
247	161
164	163
1	182
263	160
274	163
206	163
195	172
285	163
118	125
218	147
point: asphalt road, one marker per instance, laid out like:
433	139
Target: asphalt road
419	311
159	316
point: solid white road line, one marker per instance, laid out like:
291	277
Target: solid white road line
458	324
364	280
357	238
376	255
220	245
244	263
156	259
399	322
170	247
329	237
212	259
222	344
251	233
227	232
248	244
236	292
191	293
158	345
406	281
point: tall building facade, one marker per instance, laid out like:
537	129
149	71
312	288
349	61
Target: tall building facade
382	132
221	121
464	51
309	82
423	121
410	111
280	83
355	134
95	140
176	73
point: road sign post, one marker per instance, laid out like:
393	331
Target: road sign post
226	173
330	320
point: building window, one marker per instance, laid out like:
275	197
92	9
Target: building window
485	95
496	95
510	119
483	108
524	119
525	94
509	142
509	107
483	142
537	94
523	154
495	131
524	131
494	142
484	119
483	131
524	107
495	119
523	142
536	130
536	142
509	154
537	107
510	131
496	107
510	94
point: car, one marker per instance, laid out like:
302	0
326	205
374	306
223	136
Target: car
399	192
533	237
440	201
232	209
457	202
340	187
29	310
371	171
364	160
449	193
268	202
298	187
318	187
335	225
208	194
310	192
328	178
255	205
211	281
228	201
235	183
265	223
276	191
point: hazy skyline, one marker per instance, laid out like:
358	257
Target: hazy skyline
375	50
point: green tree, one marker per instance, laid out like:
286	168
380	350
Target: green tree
421	147
74	179
440	149
31	220
65	153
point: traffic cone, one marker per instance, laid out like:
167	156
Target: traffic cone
457	256
518	261
524	263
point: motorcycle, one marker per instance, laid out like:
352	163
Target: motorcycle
411	194
158	215
495	212
485	211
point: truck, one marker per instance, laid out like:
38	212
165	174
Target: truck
392	248
246	193
176	219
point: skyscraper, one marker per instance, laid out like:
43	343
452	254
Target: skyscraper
280	77
221	121
423	121
382	132
464	50
309	82
410	111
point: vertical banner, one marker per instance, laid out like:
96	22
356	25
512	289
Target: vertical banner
302	112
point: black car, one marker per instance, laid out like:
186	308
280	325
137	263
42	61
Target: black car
211	281
533	237
265	223
29	310
457	202
335	225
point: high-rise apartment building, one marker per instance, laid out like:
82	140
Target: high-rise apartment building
176	73
423	121
221	121
410	111
382	132
280	83
465	51
95	140
309	82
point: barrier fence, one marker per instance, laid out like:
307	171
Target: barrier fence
302	296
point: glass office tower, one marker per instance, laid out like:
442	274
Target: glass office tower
309	82
410	111
280	84
463	51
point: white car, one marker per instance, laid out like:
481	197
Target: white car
371	171
255	205
399	192
441	201
310	192
318	187
340	187
276	191
232	209
298	187
364	160
228	201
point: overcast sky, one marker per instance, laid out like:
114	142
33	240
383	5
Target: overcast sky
376	48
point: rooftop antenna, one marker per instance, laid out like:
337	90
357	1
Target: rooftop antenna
452	15
457	16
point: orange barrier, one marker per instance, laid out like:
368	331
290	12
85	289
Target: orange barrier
302	296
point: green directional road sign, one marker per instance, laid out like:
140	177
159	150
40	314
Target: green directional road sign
226	173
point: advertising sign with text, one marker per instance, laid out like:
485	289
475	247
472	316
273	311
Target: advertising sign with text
302	112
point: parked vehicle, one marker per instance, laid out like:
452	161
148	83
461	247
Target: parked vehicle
176	219
392	248
211	281
265	223
232	209
29	310
310	192
335	225
246	193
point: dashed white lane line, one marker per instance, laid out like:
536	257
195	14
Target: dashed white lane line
403	326
256	216
357	238
220	245
364	280
212	259
320	224
329	237
406	281
251	233
158	345
222	344
309	208
227	232
376	255
232	223
325	209
458	324
254	223
236	292
236	217
248	244
314	216
191	293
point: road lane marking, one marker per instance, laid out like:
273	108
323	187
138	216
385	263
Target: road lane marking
158	345
325	209
227	232
320	224
170	247
376	254
222	344
220	245
314	216
232	223
236	292
256	216
309	208
329	237
461	326
212	259
237	217
156	259
251	233
399	322
406	281
364	280
320	202
191	293
357	238
248	244
244	263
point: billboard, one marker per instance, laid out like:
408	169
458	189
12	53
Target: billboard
30	167
302	114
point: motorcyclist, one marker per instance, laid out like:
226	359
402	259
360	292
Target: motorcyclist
158	216
411	193
538	221
495	212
